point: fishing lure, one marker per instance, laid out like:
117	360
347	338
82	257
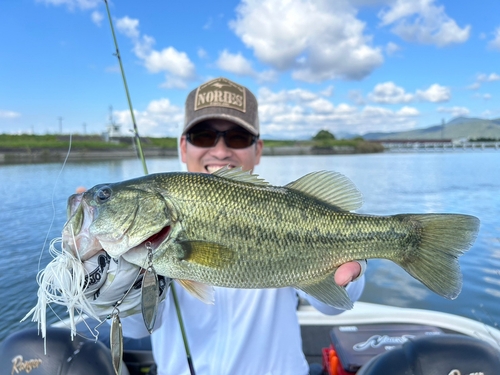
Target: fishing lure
150	292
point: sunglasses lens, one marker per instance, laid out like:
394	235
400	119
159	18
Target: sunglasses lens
236	138
203	137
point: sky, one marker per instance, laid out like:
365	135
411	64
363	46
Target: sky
346	66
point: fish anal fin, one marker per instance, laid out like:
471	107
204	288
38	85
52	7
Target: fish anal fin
203	292
207	254
330	187
327	291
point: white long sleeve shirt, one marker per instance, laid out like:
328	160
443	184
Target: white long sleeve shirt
246	331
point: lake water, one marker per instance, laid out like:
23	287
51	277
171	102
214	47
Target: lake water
34	209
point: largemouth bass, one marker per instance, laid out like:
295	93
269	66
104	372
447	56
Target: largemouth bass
235	230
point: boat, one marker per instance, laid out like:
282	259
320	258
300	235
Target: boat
370	339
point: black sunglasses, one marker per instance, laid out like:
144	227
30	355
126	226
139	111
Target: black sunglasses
233	138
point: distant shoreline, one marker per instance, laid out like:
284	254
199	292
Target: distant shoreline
56	155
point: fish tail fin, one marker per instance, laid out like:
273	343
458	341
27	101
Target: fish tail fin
443	239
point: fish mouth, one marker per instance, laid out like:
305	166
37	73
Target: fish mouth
140	254
154	241
135	254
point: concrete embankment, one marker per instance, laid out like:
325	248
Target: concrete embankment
47	156
50	156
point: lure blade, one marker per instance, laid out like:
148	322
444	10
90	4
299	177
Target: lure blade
150	297
116	344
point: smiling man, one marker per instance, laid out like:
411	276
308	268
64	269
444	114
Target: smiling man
246	331
220	109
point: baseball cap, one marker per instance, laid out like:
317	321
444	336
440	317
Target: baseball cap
222	99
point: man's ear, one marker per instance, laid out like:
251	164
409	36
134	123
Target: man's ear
258	152
183	148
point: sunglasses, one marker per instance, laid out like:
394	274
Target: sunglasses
233	138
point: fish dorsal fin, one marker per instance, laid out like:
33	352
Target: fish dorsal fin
330	187
237	174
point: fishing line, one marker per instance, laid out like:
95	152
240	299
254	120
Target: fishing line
52	201
143	160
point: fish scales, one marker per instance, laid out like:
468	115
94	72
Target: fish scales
273	231
232	229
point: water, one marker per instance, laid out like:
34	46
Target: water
34	208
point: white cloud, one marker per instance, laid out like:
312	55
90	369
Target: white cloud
454	111
435	94
239	65
474	86
176	65
483	96
72	4
97	17
208	24
481	78
235	63
202	53
301	113
267	76
317	40
9	114
169	60
356	97
361	3
495	42
161	118
422	21
389	93
492	77
128	26
327	92
391	48
321	105
408	111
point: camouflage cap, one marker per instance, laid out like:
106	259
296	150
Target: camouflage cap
222	99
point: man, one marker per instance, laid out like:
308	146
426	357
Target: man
246	331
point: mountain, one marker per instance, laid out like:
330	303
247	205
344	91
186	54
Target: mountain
456	129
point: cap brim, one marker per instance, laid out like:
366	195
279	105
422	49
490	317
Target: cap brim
221	116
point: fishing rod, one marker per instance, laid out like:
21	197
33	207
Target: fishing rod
136	131
143	160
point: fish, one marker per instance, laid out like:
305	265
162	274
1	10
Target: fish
233	229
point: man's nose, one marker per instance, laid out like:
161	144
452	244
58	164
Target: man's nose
220	147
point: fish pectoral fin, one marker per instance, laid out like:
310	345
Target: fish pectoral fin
327	291
204	292
207	254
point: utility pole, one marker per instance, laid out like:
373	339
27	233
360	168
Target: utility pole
84	128
60	124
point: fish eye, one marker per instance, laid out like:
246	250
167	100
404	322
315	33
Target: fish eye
103	194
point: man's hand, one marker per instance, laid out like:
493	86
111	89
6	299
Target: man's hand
347	272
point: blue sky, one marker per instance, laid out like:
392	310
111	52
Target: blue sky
352	66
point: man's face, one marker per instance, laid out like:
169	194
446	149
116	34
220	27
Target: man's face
210	159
